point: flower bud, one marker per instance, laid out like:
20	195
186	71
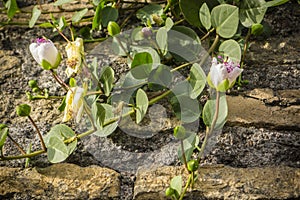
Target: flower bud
147	32
75	51
113	28
169	191
32	84
193	165
45	53
23	110
257	29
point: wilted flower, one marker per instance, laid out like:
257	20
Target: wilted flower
223	74
74	104
75	51
45	53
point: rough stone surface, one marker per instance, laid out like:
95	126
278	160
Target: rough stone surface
221	182
250	111
59	181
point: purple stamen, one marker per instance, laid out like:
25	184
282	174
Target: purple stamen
41	40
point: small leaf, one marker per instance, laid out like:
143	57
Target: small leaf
62	105
169	23
61	2
3	135
189	143
205	17
162	40
98	113
197	80
141	65
97	17
179	132
141	105
107	78
225	19
12	8
35	15
79	15
231	49
209	112
176	184
109	14
106	115
252	12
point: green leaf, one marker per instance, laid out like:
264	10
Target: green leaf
62	105
162	40
141	65
179	132
146	13
189	143
98	113
169	23
205	17
141	105
107	78
3	135
97	17
231	48
61	2
79	15
190	9
12	8
252	12
176	184
184	44
35	15
209	112
109	14
225	19
197	80
57	150
275	3
106	112
161	76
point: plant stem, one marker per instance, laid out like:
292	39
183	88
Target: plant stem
210	130
186	186
210	50
58	79
38	132
18	146
183	154
123	48
244	53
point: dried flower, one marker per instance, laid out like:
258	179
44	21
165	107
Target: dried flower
74	104
45	53
75	51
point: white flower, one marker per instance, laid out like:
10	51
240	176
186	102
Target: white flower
223	74
74	104
75	51
45	53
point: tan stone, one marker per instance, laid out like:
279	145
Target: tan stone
61	181
248	111
221	182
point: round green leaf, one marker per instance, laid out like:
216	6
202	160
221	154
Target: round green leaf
231	49
176	184
161	76
225	19
252	12
205	17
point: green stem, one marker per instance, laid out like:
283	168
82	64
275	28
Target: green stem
123	48
207	34
18	146
244	53
58	79
186	186
210	50
183	154
38	132
210	130
43	97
